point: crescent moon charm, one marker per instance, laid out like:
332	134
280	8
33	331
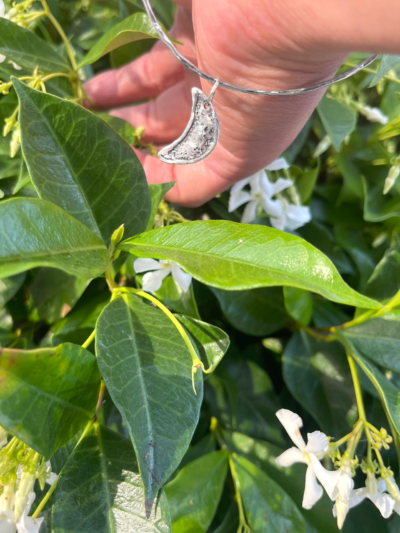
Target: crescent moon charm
200	136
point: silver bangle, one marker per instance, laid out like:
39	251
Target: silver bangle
287	92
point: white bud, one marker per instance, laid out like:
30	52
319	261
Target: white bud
322	146
391	179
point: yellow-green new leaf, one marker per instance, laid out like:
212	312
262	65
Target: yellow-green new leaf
234	256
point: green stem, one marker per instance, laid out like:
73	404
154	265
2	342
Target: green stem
243	526
54	485
197	363
89	340
357	387
371	71
61	32
110	279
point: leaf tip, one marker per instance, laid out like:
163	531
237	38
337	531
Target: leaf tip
148	506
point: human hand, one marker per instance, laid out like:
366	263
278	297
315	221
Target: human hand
259	44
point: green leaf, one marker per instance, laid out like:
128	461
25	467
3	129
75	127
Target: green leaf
147	369
338	120
9	288
37	233
28	50
305	181
133	28
298	304
121	126
352	188
378	340
211	342
268	508
317	375
47	395
80	164
242	256
385	279
52	290
289	478
157	193
378	207
194	494
387	63
100	490
176	299
256	312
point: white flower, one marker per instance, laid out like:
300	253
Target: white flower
152	281
375	492
285	216
7	524
2	58
373	114
390	485
309	454
17	67
345	485
2	9
27	524
51	475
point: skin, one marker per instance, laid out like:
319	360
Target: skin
262	44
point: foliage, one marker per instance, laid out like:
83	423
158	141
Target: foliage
157	407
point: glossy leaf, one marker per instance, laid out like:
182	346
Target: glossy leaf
298	304
246	257
157	193
256	312
9	287
147	369
54	292
268	508
194	494
211	342
35	233
133	28
47	395
338	120
387	63
80	164
378	340
100	490
28	50
318	376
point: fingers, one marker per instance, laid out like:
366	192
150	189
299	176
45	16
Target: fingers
144	78
163	119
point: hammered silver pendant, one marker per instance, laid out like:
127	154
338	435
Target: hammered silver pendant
200	136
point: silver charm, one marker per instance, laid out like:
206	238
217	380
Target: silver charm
200	136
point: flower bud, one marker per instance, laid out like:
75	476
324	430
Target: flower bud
117	236
23	493
15	142
391	179
7	498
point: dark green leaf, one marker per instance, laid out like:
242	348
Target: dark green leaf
385	279
338	120
9	287
35	232
268	508
100	490
194	494
157	193
298	304
54	291
318	376
256	312
122	127
378	207
246	256
176	299
211	342
79	163
47	395
387	63
133	28
147	369
306	181
28	50
352	188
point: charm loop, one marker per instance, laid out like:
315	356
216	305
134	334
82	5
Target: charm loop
212	93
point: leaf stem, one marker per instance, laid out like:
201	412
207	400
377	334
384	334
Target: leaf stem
357	387
197	363
243	526
89	340
54	485
61	32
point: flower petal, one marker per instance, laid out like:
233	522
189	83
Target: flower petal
152	281
312	491
273	208
317	443
278	164
397	508
297	216
383	502
256	182
144	265
7	524
182	279
240	184
250	212
292	423
357	496
17	67
26	524
237	199
281	184
2	58
290	456
2	8
328	479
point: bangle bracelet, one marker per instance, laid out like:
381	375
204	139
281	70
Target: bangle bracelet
201	135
